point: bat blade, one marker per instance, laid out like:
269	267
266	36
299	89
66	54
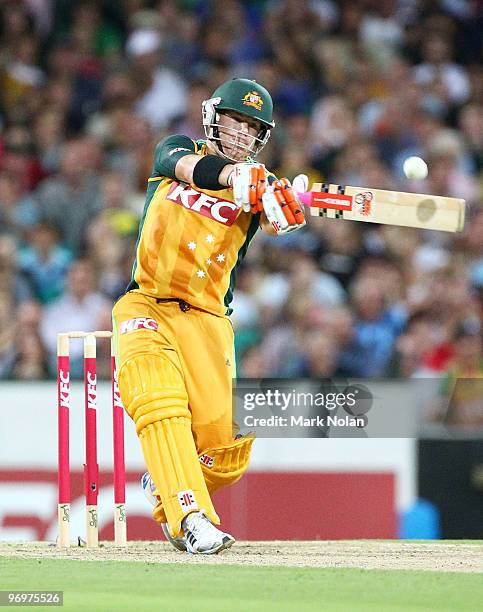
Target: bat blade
386	207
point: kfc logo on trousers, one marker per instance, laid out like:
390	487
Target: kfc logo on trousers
138	323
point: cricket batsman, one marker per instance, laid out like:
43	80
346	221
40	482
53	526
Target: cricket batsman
174	340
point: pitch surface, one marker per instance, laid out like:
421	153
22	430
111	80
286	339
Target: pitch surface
454	556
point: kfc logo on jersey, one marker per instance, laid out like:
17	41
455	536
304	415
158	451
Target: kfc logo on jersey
139	323
212	207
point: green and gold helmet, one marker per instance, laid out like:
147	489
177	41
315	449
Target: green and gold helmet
241	96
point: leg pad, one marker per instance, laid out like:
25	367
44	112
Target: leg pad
154	395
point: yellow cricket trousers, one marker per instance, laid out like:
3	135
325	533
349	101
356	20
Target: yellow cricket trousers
199	344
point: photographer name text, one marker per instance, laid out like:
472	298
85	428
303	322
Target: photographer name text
300	421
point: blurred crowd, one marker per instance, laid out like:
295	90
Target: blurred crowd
89	87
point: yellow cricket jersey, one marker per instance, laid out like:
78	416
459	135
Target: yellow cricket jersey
190	240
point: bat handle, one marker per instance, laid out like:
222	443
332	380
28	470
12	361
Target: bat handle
305	198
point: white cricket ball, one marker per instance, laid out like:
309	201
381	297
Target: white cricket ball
415	168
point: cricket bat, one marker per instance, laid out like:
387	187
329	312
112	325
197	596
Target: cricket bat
386	207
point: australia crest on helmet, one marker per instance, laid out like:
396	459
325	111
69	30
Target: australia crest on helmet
252	98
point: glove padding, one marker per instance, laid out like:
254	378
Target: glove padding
249	182
283	207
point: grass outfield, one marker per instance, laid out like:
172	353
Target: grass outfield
119	585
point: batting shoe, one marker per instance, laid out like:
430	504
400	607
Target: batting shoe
202	537
149	489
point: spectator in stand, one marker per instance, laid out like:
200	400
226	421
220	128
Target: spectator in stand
321	356
284	347
252	364
11	279
449	166
471	126
339	249
445	82
189	124
138	142
16	21
407	357
180	29
106	248
117	98
423	350
49	135
7	334
161	92
462	402
381	31
18	156
30	362
332	127
44	263
93	35
69	201
474	249
18	211
293	161
22	77
246	316
376	328
81	307
306	279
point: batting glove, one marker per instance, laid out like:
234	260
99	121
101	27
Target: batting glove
249	183
283	207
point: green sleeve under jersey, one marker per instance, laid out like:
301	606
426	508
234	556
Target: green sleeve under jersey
167	153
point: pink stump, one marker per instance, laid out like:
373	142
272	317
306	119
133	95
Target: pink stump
63	404
91	467
119	461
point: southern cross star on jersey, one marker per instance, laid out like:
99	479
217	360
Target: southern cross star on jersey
220	258
191	245
210	239
201	274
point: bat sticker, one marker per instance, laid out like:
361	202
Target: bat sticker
337	201
363	202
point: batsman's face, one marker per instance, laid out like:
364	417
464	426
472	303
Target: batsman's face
239	134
